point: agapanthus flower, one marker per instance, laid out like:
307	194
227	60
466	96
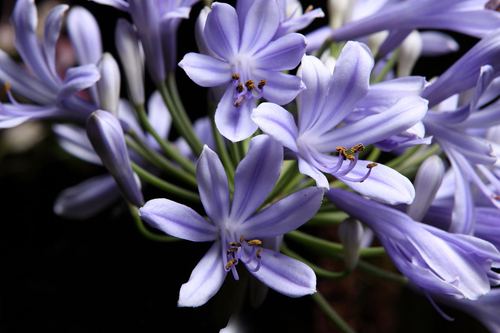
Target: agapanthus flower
236	231
454	127
248	63
157	23
435	260
41	84
324	105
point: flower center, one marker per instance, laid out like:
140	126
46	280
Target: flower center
246	251
247	91
352	156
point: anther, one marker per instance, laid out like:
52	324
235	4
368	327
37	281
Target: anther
371	165
254	242
7	86
308	9
235	244
232	250
358	147
495	196
350	158
231	263
248	83
242	239
239	87
493	5
259	251
262	83
235	76
342	151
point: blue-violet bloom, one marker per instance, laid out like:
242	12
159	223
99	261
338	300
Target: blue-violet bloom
324	105
433	259
236	231
248	64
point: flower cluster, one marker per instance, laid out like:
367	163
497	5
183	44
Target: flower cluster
323	128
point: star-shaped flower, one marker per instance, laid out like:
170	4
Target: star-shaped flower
236	231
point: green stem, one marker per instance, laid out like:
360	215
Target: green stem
388	66
236	152
382	273
374	154
401	158
223	154
288	173
322	49
321	272
327	218
170	151
417	158
158	160
167	187
179	116
327	248
331	313
134	211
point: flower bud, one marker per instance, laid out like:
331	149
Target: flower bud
106	136
129	51
337	10
411	48
427	182
108	87
351	235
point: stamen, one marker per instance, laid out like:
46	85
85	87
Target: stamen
237	244
308	9
495	196
254	242
350	158
242	239
259	251
231	263
232	250
239	87
239	100
342	151
235	76
358	147
493	5
371	165
262	83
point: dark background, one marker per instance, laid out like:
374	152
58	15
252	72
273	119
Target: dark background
101	275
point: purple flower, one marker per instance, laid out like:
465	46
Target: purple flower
248	64
454	127
41	84
325	104
464	16
435	260
157	23
234	228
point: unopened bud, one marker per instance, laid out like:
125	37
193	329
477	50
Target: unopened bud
129	51
411	48
106	136
108	87
351	235
427	183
